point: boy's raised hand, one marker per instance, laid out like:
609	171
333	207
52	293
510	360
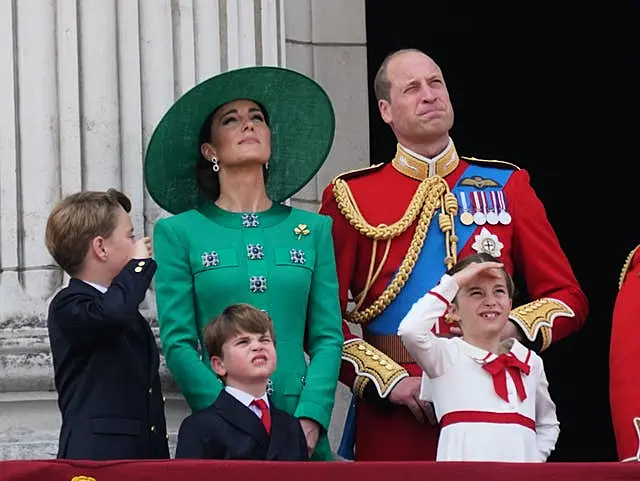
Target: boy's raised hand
142	248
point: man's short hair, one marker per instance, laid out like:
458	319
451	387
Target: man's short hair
79	218
381	83
235	319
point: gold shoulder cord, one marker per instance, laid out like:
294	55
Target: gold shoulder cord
626	266
432	193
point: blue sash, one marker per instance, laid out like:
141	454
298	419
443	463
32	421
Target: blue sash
430	264
426	273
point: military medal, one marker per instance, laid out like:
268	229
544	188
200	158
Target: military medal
478	217
465	217
492	214
503	216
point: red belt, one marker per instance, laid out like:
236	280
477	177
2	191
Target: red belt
486	417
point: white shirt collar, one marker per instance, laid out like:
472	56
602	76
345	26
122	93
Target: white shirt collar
428	160
480	355
244	397
97	286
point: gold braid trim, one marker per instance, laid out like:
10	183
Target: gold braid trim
537	317
372	365
545	332
359	385
626	266
432	193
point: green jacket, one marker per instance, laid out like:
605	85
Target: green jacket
280	260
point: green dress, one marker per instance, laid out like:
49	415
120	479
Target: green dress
280	260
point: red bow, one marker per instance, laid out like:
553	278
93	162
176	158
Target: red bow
498	369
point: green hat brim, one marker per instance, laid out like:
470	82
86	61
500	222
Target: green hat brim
301	119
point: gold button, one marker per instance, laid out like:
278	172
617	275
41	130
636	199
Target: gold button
153	429
138	269
141	263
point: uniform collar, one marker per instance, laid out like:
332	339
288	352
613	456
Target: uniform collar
420	167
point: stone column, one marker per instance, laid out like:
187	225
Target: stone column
326	39
83	85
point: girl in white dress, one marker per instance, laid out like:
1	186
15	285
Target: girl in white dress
490	395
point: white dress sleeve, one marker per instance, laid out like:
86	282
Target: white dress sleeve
432	353
547	425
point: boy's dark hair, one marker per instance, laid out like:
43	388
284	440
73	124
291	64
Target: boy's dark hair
234	319
76	220
480	258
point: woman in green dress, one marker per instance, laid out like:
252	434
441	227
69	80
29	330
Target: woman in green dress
222	160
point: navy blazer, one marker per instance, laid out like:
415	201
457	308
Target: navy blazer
105	362
230	430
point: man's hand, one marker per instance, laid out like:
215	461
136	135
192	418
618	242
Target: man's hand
142	248
311	431
510	330
455	331
407	393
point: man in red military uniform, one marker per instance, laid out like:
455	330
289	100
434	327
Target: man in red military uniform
624	361
398	226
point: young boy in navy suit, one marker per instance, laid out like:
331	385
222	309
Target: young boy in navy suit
242	423
105	358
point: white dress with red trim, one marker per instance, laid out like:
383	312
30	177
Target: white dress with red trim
490	408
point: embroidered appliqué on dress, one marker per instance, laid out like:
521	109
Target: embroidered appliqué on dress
297	256
255	252
269	388
257	284
250	220
210	259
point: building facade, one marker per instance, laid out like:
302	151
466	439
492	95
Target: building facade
83	85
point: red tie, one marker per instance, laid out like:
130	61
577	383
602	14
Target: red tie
265	415
498	369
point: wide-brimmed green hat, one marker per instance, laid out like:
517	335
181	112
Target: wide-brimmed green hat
302	125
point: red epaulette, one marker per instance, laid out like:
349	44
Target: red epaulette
351	174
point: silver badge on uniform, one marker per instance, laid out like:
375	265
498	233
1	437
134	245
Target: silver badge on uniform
488	243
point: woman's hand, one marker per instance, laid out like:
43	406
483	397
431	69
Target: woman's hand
311	431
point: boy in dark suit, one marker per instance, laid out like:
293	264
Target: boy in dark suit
242	423
105	358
